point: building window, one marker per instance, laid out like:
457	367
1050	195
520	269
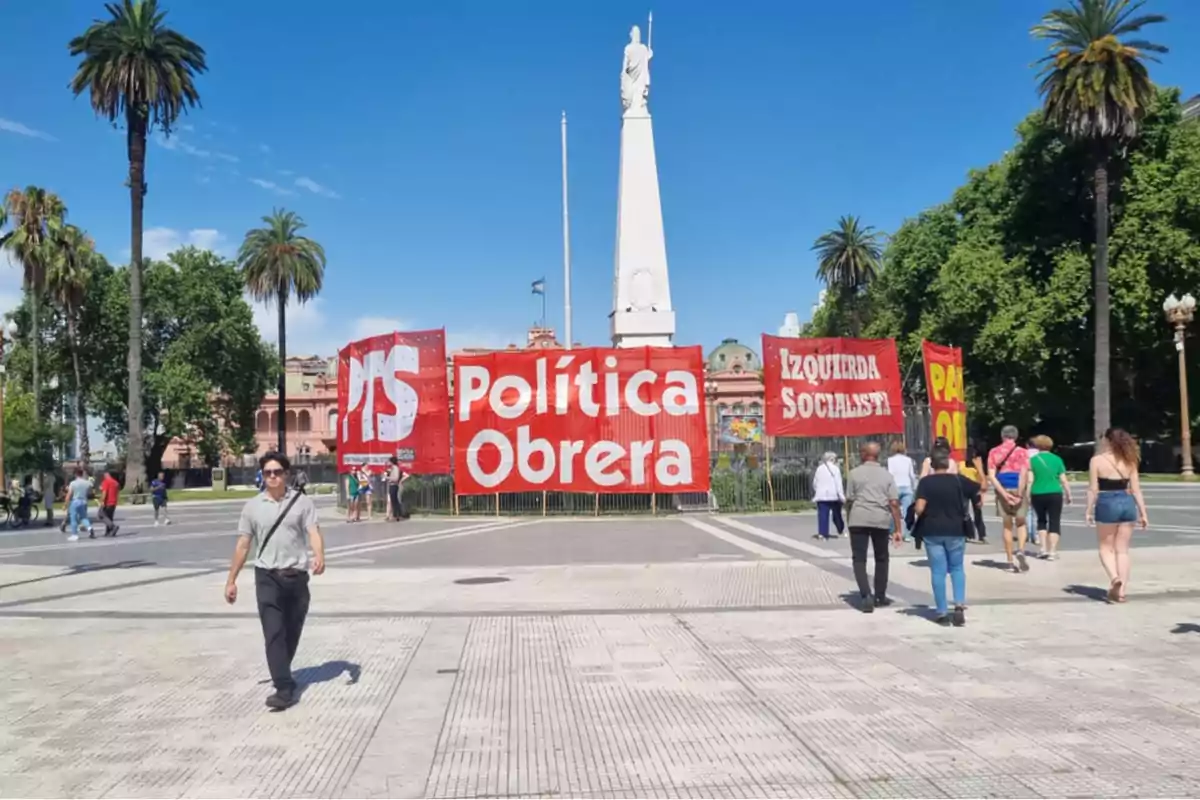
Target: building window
305	422
274	421
291	422
262	422
333	423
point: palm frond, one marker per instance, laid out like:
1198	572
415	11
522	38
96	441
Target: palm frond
133	64
278	263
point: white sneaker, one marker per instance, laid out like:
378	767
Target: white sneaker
168	522
73	538
156	523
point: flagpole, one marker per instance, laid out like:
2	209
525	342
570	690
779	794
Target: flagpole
566	225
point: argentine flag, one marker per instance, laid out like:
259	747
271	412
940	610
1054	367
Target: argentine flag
539	286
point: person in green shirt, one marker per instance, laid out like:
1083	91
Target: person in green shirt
1047	493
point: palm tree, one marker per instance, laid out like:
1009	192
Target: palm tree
277	262
848	260
36	216
138	70
67	277
1096	88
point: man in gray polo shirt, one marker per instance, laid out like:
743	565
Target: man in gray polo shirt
279	525
874	502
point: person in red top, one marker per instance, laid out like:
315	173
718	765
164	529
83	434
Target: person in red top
1008	472
110	491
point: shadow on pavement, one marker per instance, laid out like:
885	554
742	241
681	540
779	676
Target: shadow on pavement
992	563
330	670
1186	627
81	569
1090	592
923	612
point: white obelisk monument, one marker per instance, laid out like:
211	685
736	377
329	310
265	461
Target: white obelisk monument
642	313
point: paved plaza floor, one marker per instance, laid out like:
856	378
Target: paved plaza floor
705	656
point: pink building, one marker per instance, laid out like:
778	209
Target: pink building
311	415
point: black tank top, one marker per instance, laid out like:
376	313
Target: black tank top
1112	484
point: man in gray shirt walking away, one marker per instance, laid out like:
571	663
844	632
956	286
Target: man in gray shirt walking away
279	524
874	502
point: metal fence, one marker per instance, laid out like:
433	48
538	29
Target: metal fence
771	475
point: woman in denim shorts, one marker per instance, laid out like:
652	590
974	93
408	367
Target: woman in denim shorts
1115	504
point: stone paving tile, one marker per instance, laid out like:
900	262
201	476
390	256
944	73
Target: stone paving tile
562	588
107	709
1043	699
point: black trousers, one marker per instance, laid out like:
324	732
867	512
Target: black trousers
109	515
980	527
282	606
1048	508
878	539
394	494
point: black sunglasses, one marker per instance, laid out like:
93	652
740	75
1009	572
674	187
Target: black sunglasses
272	473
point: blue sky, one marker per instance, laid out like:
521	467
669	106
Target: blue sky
421	143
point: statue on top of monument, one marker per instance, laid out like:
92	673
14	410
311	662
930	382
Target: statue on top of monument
635	73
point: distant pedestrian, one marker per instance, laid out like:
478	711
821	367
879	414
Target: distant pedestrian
158	497
77	499
365	491
972	470
352	492
1115	503
873	509
829	493
1008	471
940	443
904	472
1048	491
110	493
279	525
1030	520
395	481
942	509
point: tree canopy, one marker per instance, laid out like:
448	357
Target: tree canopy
1003	269
206	367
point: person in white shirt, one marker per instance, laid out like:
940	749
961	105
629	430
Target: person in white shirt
1030	517
829	492
905	472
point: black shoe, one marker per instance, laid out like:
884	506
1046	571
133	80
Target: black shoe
883	602
92	535
982	540
868	605
943	620
281	700
960	617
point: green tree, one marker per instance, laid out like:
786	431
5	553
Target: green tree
848	260
1003	267
36	215
137	70
1096	88
28	443
71	260
206	366
277	263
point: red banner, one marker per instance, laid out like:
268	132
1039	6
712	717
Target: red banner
393	401
588	420
947	398
831	387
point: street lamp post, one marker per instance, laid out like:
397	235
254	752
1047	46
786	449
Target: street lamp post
7	334
1180	312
